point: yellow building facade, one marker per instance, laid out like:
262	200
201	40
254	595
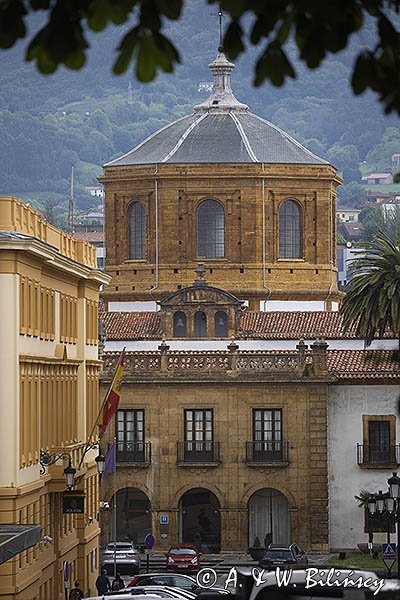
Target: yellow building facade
49	367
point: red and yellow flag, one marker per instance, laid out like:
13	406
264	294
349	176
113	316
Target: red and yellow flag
113	396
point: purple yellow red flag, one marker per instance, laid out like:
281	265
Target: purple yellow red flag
113	396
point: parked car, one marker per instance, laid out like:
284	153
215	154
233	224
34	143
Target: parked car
183	557
162	591
184	582
281	556
127	558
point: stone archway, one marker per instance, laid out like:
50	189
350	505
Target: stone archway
269	517
133	516
200	519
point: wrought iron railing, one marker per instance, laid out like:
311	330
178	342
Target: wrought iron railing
198	452
267	452
383	454
133	452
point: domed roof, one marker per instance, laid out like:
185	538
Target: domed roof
221	130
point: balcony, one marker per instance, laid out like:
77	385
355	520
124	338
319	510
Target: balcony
133	453
205	454
267	453
381	456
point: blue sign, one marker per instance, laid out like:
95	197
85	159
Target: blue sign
164	519
149	541
389	551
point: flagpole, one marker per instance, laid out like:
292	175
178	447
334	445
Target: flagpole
87	444
115	509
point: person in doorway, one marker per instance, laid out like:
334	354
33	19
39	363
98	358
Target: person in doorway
103	583
267	539
118	583
204	521
76	592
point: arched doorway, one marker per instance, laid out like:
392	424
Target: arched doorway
269	517
200	519
133	516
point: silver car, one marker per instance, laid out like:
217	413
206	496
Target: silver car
124	555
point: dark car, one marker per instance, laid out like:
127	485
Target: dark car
282	556
184	582
183	557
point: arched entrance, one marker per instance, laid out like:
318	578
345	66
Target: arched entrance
133	516
269	517
200	519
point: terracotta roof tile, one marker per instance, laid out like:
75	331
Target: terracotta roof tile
273	325
294	325
132	325
364	364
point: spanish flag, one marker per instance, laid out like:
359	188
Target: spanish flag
111	401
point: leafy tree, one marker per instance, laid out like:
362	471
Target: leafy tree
318	28
381	218
373	292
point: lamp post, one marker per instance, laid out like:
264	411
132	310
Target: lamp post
47	459
389	503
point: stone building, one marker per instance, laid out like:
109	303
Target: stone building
230	189
49	368
223	432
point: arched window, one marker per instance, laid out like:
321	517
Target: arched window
220	324
210	230
137	231
180	324
200	324
290	235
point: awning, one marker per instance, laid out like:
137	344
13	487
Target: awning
16	538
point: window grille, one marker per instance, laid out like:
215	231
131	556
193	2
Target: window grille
290	235
210	230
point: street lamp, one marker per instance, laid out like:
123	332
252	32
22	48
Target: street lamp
69	473
101	463
389	503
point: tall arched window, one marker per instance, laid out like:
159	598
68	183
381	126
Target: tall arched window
210	230
179	324
137	231
290	234
200	324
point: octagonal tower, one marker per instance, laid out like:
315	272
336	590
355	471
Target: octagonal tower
226	188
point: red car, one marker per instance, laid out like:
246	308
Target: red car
183	557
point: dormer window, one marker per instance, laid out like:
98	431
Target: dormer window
221	324
200	324
180	330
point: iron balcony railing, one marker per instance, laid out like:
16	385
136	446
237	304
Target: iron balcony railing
267	452
382	454
133	452
198	452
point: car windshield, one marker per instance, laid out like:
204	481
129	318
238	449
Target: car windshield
278	554
182	551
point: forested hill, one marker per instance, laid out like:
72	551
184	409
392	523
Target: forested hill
86	118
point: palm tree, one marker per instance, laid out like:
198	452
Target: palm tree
373	292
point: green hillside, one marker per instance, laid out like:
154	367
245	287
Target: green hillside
88	117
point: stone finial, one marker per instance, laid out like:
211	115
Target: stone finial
221	98
163	347
233	346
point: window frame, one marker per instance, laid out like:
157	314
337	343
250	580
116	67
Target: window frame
143	231
282	237
201	244
366	420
